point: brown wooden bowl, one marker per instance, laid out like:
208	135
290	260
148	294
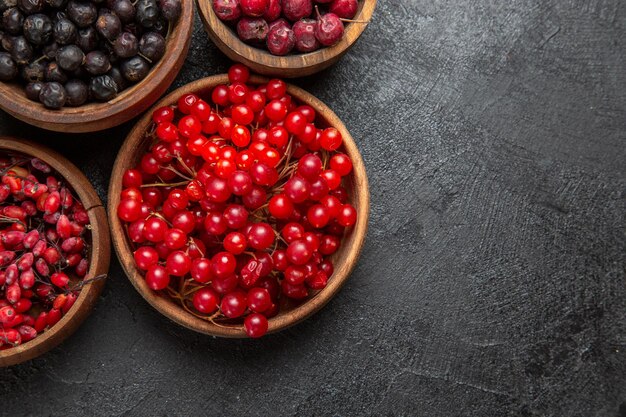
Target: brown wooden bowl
344	260
294	65
100	253
131	102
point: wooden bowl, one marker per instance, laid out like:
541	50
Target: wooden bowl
290	66
100	253
344	260
130	103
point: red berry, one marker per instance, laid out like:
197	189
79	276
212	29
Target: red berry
129	210
201	270
132	178
298	252
234	304
347	216
157	277
223	264
235	243
145	257
186	102
205	300
60	279
256	325
310	166
238	73
280	206
276	110
260	236
155	229
163	114
259	300
178	263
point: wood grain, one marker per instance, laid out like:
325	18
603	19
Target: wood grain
99	256
99	116
290	66
344	260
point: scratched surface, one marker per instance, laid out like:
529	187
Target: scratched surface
492	282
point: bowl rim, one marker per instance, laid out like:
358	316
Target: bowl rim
126	158
292	65
100	252
102	115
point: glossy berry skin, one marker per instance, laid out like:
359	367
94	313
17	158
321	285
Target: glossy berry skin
347	216
178	263
329	29
234	304
239	73
341	164
256	325
155	229
298	252
129	210
254	8
345	9
157	278
201	270
281	207
259	300
205	300
260	236
331	139
145	257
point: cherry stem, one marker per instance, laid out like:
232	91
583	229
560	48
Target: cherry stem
88	281
182	162
144	57
365	22
175	171
163	184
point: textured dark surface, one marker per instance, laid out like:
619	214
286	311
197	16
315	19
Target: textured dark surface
492	282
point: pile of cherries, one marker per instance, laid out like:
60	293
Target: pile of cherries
44	234
283	26
237	205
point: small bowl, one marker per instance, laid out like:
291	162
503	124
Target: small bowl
290	66
99	116
100	253
344	259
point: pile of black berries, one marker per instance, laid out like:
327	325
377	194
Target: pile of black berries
68	52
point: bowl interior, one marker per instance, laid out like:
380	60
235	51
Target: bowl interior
126	105
293	65
99	253
291	313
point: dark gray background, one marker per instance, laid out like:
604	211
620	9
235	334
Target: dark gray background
492	282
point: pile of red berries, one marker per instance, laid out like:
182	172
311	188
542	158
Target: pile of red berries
282	26
237	205
44	233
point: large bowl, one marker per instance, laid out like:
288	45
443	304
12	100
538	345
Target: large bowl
126	105
294	65
344	260
99	256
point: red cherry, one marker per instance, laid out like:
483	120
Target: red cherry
157	277
234	304
256	325
259	300
205	300
145	257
